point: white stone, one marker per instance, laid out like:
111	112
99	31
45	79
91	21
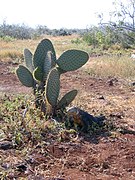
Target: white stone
133	56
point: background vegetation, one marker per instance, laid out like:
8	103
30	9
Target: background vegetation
114	36
110	78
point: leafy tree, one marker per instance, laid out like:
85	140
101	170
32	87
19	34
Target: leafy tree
124	14
15	31
122	21
90	37
41	29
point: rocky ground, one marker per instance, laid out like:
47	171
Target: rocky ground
105	156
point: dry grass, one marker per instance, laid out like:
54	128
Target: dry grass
103	66
112	104
14	49
111	66
38	148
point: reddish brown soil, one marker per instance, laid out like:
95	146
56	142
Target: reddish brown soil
106	156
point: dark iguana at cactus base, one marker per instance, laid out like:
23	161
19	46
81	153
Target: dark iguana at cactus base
83	119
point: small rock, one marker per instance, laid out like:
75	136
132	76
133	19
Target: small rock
22	168
133	84
5	145
101	97
112	81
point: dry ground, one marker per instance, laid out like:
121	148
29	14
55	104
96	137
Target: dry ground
106	156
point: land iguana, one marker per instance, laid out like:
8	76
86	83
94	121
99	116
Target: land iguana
83	119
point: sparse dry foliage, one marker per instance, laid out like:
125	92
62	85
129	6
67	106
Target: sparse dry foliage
33	146
111	66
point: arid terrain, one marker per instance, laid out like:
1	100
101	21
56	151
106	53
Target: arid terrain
107	155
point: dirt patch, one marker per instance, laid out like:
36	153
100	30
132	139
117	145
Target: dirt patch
8	80
99	157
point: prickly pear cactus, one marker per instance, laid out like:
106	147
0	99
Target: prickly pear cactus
53	87
25	76
42	72
72	60
67	99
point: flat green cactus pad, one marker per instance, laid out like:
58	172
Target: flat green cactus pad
61	71
67	99
25	76
53	87
47	64
28	56
37	74
40	54
72	60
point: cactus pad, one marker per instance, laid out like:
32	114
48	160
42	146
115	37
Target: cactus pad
53	87
25	76
72	59
37	74
67	99
28	59
61	71
40	54
47	64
